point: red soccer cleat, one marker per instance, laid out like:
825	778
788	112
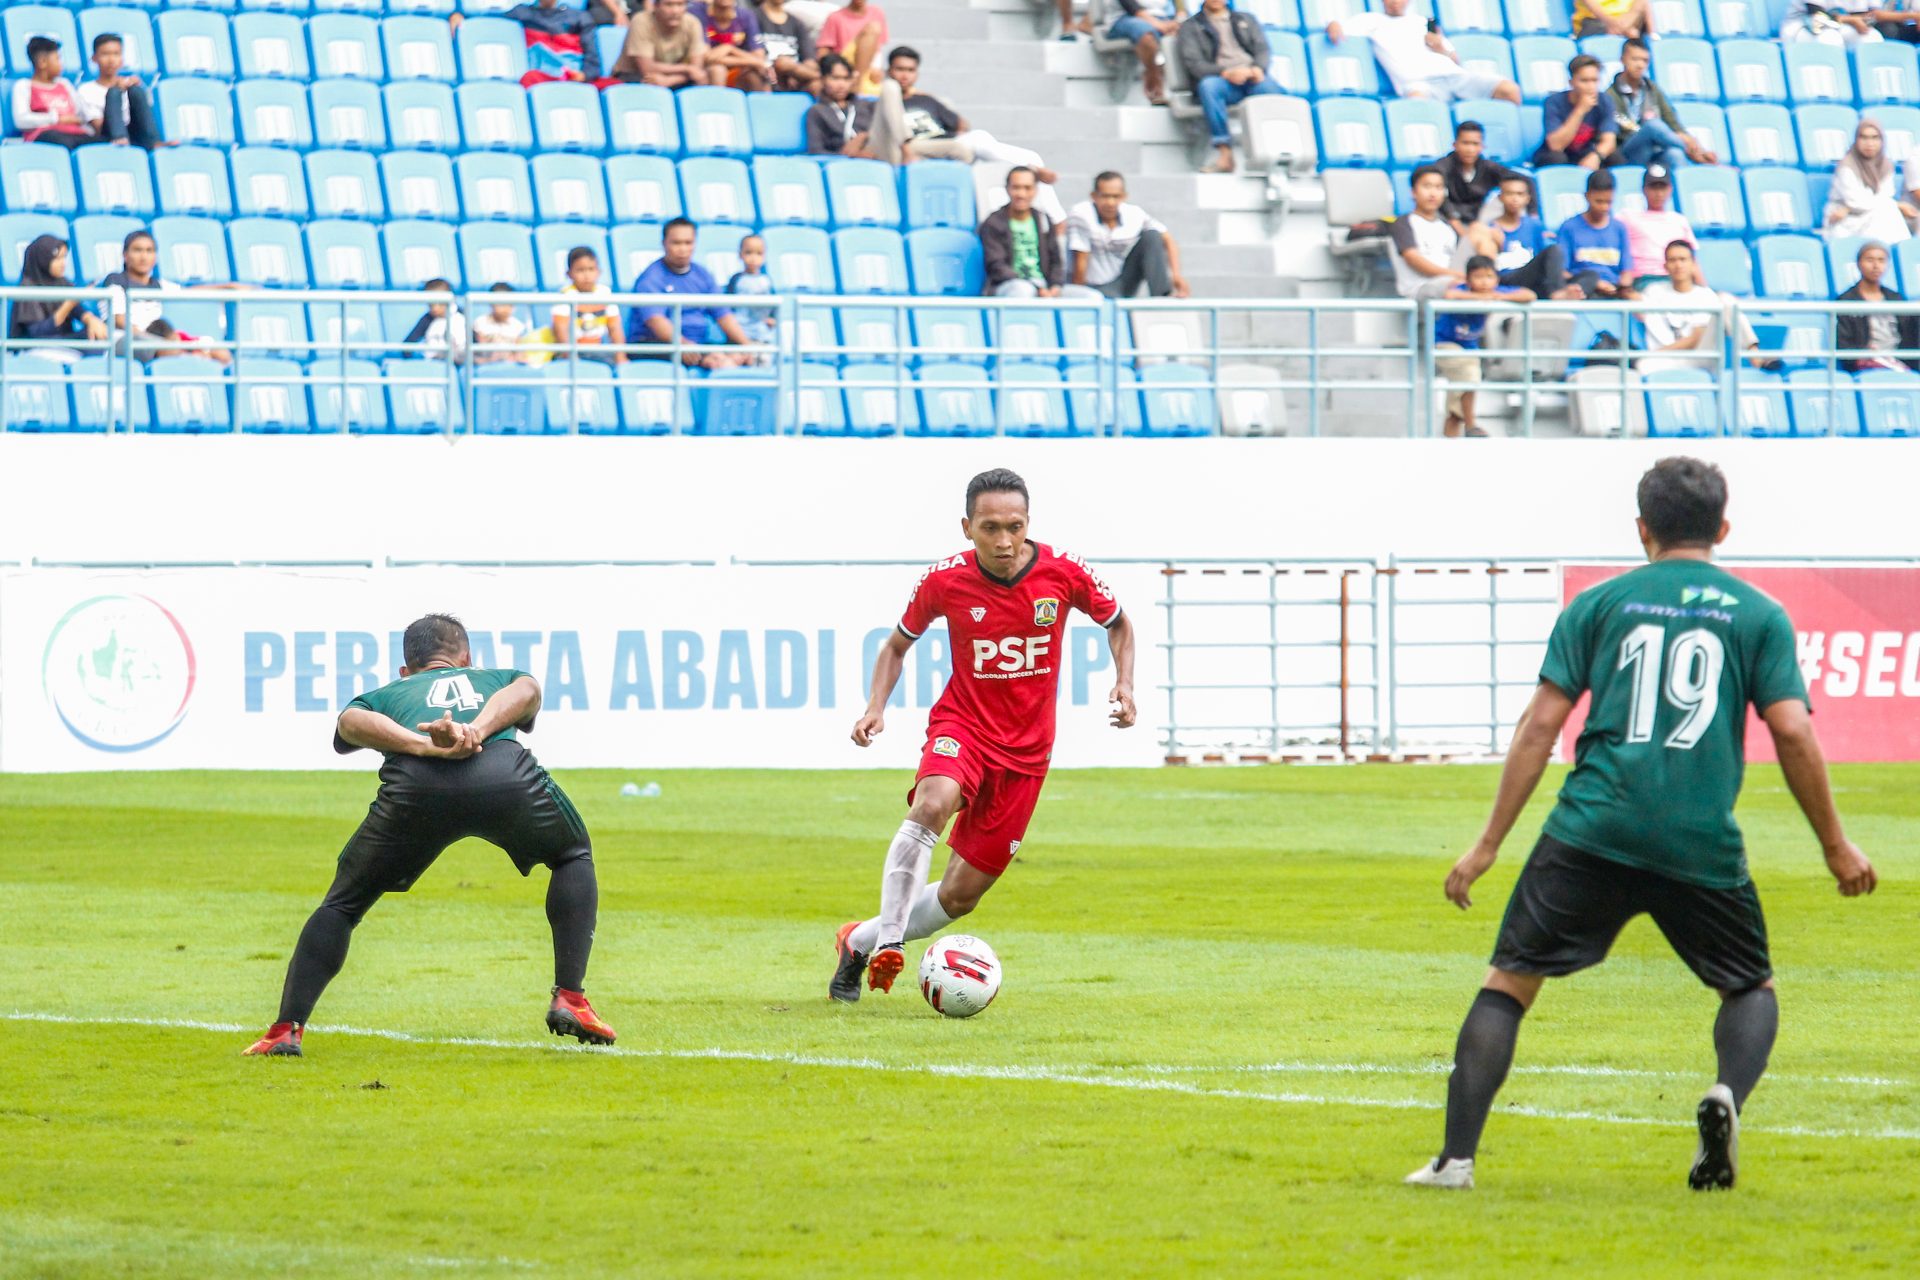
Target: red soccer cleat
571	1015
281	1041
884	968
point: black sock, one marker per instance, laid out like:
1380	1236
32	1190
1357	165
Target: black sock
1743	1037
317	957
573	903
1480	1062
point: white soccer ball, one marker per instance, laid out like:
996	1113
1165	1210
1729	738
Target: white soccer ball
959	975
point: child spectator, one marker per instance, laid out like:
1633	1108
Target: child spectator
139	313
736	57
589	327
1517	242
45	106
441	333
500	327
1463	332
752	281
561	44
45	267
116	107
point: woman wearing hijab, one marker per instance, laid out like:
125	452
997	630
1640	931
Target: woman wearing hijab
45	266
1864	200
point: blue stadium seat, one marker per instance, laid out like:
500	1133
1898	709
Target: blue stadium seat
1540	65
21	22
269	396
800	259
1761	133
1776	199
1682	402
869	335
945	260
195	43
139	49
192	180
346	396
1033	401
718	249
939	193
779	122
345	184
1316	14
276	328
347	113
1677	18
643	188
1797	339
351	6
1729	19
1629	195
611	43
94	392
268	6
1843	267
355	325
511	399
1906	265
1344	68
494	116
790	190
193	250
580	397
713	122
189	395
819	409
268	251
494	185
1825	132
566	117
344	255
1352	133
269	182
1464	17
1751	71
736	402
1817	73
196	111
813	330
96	241
1176	400
1792	266
37	177
1710	197
493	49
422	399
641	118
1824	403
111	179
1539	17
435	8
1818	185
958	334
1418	130
419	184
1707	124
955	400
418	251
498	252
345	45
570	188
1686	69
1490	54
649	404
1287	66
713	189
1608	50
1505	139
421	115
1889	403
36	397
879	403
1563	192
1900	127
418	48
1727	265
271	46
1886	72
273	113
1028	337
870	260
1402	182
636	244
552	242
1760	407
863	193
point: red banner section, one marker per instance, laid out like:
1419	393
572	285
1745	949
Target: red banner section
1859	634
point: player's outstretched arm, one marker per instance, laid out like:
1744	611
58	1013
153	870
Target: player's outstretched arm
1805	765
887	666
359	727
513	707
1120	645
1527	758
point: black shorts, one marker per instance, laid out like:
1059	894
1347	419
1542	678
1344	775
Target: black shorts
1569	906
501	795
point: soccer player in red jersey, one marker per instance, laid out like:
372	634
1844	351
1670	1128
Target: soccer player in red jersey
990	736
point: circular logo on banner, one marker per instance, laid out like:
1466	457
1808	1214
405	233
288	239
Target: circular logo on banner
119	671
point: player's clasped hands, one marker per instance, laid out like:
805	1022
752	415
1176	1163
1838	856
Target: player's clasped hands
451	739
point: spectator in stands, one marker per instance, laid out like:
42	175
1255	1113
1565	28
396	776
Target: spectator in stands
858	32
1462	332
675	271
590	328
1070	29
839	124
1648	130
752	281
138	309
1471	178
1225	55
1022	248
1580	127
789	46
45	106
1863	200
1633	18
441	334
1117	246
735	56
1596	244
116	107
501	327
560	40
1424	243
1840	23
1877	337
1897	22
667	47
1683	326
44	266
1419	60
1651	230
1517	242
1144	24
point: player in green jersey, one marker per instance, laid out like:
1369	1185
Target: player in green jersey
454	767
1672	655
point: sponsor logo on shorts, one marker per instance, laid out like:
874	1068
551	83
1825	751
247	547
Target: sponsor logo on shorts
946	747
1046	611
978	611
1013	847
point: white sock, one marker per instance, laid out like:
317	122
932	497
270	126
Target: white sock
927	918
903	877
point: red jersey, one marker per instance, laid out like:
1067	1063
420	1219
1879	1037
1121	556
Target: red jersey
1008	644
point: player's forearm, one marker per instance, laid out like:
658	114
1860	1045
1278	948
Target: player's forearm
1805	767
1526	762
886	674
363	728
509	708
1120	645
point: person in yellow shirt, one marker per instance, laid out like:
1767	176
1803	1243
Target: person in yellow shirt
1612	18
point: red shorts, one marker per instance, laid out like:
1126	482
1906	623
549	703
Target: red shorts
999	801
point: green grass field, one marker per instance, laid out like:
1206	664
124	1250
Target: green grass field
1230	1002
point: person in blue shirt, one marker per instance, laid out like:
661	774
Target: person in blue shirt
675	271
1595	243
1457	333
1581	128
1518	243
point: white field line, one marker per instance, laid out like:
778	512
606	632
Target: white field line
970	1071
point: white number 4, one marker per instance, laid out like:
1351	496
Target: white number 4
456	692
1692	685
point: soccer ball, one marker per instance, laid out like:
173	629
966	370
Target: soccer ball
959	975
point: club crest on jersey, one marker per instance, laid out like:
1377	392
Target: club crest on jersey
978	611
1013	847
946	747
1046	611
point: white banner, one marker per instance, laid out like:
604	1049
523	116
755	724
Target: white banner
640	667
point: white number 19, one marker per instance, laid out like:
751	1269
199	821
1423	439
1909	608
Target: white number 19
1692	685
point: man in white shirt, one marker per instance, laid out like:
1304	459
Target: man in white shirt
1117	247
1424	243
1683	320
1419	60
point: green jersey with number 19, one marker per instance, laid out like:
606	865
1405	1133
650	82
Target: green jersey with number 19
433	693
1672	653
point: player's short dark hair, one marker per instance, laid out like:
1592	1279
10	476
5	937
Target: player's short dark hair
106	38
1480	262
677	222
1599	180
438	635
998	480
1466	127
1635	42
41	44
900	51
1684	502
1580	63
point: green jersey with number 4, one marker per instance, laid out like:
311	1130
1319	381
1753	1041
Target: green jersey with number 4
435	692
1672	653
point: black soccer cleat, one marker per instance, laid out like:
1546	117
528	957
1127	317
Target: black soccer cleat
1716	1162
849	968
